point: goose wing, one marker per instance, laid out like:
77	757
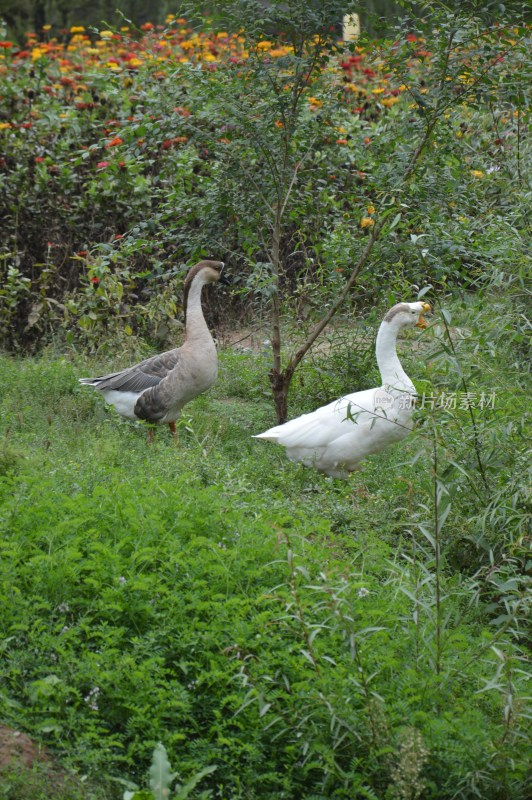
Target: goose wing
325	424
142	376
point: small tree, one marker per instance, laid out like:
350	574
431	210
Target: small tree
262	103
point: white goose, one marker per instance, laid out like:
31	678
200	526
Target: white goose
337	437
157	388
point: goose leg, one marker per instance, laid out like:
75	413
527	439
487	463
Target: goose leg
173	429
151	434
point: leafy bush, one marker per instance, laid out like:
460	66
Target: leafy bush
129	154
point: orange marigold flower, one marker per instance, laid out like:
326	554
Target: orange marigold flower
114	142
341	141
148	26
6	45
367	222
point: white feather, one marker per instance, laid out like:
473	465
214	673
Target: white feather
335	438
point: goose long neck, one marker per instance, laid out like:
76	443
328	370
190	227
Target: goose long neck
392	373
195	325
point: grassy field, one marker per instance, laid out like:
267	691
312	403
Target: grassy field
306	637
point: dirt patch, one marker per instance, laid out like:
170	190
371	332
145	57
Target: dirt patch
18	750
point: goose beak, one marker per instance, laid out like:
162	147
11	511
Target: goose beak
422	322
225	279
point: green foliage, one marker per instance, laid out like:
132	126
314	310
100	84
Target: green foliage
210	148
161	780
301	636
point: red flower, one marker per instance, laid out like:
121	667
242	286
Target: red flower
148	26
6	45
102	164
114	142
39	159
82	253
95	281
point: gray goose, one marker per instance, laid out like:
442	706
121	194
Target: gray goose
157	388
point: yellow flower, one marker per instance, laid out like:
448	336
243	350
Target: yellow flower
377	91
47	27
264	45
77	29
106	34
36	53
477	173
370	209
367	222
4	126
389	101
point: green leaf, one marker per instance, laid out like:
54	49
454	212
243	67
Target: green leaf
160	775
395	221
